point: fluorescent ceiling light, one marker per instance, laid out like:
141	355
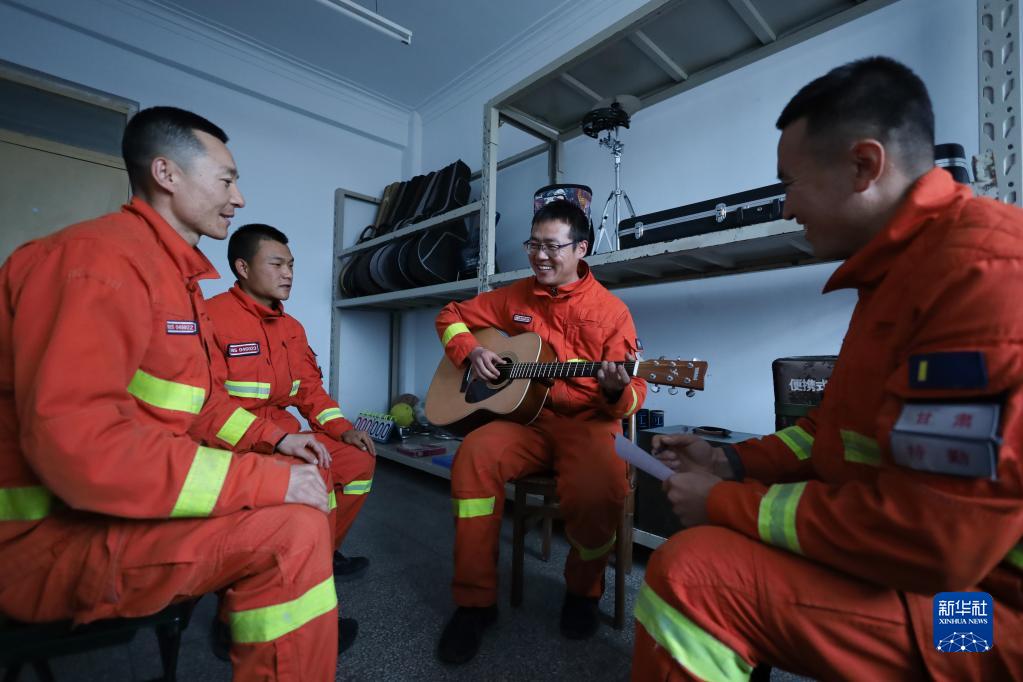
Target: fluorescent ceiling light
370	18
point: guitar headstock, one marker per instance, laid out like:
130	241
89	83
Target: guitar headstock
687	374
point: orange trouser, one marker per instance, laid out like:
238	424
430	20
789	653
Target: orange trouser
352	472
274	563
591	485
715	603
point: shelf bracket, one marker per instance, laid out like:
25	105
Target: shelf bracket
752	17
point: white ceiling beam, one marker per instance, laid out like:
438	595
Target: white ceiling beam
751	16
580	87
658	56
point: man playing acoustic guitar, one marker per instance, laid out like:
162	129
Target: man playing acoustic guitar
573	435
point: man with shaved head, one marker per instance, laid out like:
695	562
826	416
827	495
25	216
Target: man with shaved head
129	479
833	548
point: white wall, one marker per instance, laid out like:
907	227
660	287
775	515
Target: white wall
717	139
295	139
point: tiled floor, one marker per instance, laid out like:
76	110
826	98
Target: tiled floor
403	601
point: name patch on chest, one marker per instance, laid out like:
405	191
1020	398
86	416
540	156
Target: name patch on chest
522	319
235	350
182	327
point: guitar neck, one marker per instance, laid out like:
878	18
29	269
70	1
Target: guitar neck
557	370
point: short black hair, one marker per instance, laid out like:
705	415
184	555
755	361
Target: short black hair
244	243
877	97
162	131
563	211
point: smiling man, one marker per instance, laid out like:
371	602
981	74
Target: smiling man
118	492
823	549
580	320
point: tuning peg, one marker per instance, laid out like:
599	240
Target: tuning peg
688	380
655	389
652	376
690	393
672	391
689	365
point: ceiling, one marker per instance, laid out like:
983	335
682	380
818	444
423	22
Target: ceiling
449	37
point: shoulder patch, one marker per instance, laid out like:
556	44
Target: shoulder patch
954	369
182	327
522	319
959	439
235	350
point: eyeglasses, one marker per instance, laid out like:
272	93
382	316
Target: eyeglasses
552	250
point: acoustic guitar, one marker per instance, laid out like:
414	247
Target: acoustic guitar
460	400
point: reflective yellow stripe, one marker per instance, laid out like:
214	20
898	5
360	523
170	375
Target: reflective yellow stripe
921	372
467	509
329	414
331	500
798	440
294	387
587	554
635	403
860	449
693	648
30	503
577	360
168	395
1015	556
236	426
248	389
453	331
270	622
358	487
777	518
203	483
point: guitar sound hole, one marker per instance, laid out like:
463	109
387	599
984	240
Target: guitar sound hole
478	389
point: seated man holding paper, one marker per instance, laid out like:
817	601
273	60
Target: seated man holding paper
831	548
581	321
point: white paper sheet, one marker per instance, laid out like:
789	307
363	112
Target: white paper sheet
640	458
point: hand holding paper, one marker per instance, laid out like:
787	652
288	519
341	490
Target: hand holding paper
641	459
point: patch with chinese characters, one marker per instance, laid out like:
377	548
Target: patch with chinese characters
959	439
236	350
522	319
955	369
182	327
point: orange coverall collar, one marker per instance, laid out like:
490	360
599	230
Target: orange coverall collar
188	259
934	192
254	306
584	282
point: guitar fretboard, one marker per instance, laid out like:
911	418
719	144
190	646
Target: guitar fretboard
556	370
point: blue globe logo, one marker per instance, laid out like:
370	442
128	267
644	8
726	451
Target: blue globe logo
963	641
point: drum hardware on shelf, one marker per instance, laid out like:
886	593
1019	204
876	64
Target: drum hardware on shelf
606	118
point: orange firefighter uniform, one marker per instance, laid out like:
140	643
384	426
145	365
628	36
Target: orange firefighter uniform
271	367
107	507
826	559
573	434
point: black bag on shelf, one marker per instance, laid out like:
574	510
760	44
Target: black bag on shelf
406	202
386	207
435	255
754	206
383	267
451	190
362	280
422	200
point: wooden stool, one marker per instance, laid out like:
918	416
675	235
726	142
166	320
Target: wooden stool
34	644
545	486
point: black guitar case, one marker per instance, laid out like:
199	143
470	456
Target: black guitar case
734	210
383	267
422	199
452	189
436	255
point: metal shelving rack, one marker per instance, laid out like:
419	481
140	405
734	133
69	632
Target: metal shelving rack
661	50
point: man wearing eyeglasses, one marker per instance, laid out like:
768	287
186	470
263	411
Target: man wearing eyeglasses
573	436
